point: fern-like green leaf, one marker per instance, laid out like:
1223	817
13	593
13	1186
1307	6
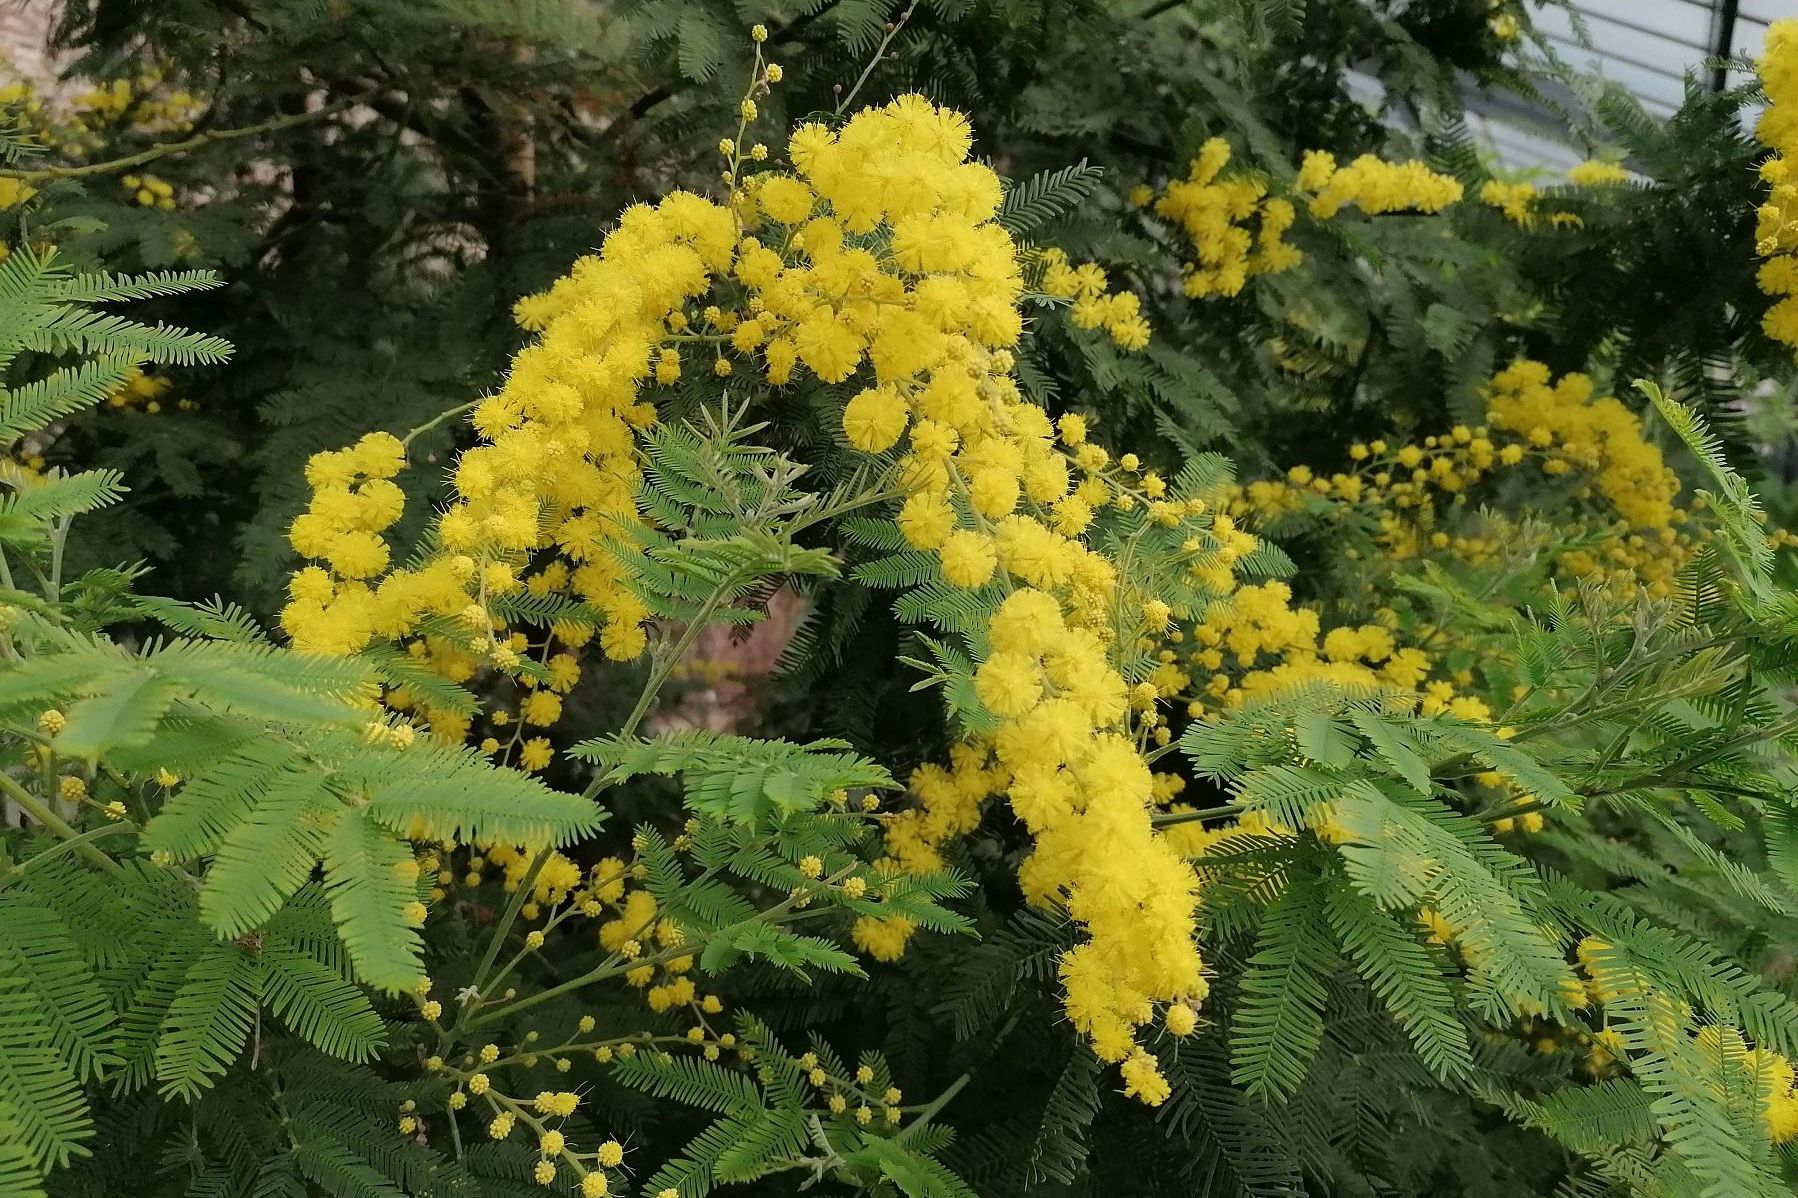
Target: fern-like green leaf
442	793
1738	512
1058	1150
269	852
1279	1024
46	1104
124	713
365	873
689	1081
38	951
209	1021
738	778
20	1176
1405	979
1046	197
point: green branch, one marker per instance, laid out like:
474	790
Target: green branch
71	846
42	812
438	419
167	148
666	660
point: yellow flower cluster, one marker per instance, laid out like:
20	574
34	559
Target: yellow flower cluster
1081	786
1722	1046
82	124
948	805
1215	215
926	304
865	1086
558	879
22	469
354	498
1238	231
140	102
1118	313
1373	185
589	1170
877	259
140	392
629	923
904	265
13	193
1516	200
1256	643
149	191
1597	173
1599	435
1773	1075
1531	416
538	502
1504	22
1776	228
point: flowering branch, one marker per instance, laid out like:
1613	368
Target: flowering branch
167	148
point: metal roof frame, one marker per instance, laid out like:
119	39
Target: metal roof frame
1648	46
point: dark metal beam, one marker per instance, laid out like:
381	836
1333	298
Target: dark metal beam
1723	34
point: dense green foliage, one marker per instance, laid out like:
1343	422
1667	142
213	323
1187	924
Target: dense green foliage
1519	922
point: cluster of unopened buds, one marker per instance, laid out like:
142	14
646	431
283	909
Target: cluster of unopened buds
149	192
839	1091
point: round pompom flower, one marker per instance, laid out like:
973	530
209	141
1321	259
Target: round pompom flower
968	559
874	419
